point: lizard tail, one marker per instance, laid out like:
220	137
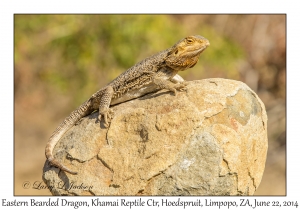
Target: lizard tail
75	116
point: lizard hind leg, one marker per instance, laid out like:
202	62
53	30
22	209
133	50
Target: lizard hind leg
104	109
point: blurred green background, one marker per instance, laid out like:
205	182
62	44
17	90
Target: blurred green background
61	60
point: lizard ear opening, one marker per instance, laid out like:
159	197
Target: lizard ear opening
176	52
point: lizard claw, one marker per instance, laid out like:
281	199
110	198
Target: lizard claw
181	86
107	114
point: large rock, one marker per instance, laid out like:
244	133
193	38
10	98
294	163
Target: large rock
209	140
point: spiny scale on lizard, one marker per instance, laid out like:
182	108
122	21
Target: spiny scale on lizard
156	72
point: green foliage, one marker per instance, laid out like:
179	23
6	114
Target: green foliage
78	54
223	53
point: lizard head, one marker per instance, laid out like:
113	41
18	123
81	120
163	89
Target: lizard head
185	53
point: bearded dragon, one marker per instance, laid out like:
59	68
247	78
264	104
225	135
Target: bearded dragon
156	72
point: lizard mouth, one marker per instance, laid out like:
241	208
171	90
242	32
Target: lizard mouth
196	52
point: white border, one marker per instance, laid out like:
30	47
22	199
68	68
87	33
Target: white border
9	8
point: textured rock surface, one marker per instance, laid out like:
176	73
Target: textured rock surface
209	140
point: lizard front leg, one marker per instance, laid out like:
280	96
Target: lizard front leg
169	84
104	109
179	80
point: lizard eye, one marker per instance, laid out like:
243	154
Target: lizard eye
189	41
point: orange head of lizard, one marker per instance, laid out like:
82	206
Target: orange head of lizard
185	53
